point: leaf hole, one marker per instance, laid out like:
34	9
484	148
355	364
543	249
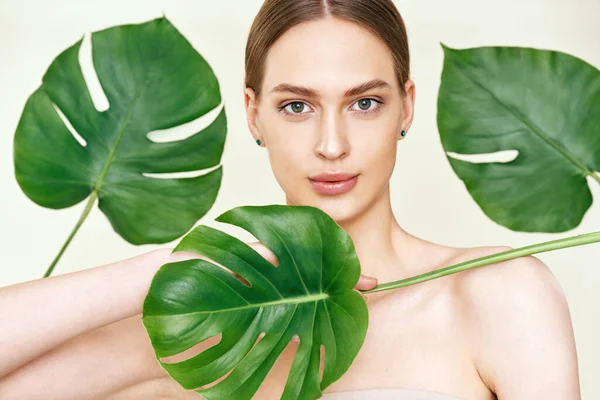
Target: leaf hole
235	274
504	156
194	350
67	123
280	371
184	131
89	75
265	252
186	255
211	384
179	175
322	362
216	381
245	282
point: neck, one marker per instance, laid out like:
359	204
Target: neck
385	250
383	247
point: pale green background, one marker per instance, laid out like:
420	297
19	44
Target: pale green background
429	200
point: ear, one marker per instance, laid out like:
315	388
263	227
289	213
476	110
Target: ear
408	105
252	113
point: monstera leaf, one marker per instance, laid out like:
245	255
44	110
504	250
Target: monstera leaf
544	104
310	294
153	80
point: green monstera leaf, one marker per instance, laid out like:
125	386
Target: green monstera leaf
153	79
310	294
543	104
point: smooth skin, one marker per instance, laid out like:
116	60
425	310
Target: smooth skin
502	330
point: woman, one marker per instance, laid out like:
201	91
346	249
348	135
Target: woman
328	95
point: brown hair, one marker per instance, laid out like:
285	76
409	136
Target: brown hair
380	17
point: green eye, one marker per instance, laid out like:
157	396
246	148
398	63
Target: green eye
364	104
297	106
300	108
294	109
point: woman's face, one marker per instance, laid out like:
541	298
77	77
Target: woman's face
331	147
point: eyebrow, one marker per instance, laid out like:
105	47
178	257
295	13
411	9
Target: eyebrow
309	92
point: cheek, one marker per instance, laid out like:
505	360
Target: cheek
377	152
289	148
288	163
287	157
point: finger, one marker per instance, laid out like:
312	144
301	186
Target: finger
296	338
365	297
366	283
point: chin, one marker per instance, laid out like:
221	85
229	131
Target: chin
340	208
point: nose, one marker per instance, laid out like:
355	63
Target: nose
333	142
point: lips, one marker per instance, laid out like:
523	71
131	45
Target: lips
333	183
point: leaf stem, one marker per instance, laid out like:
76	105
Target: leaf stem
86	211
595	176
494	258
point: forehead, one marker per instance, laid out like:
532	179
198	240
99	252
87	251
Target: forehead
328	54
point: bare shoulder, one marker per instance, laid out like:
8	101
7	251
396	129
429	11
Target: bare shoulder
517	280
519	327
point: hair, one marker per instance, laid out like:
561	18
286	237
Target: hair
275	17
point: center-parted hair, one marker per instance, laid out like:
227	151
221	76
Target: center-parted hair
275	17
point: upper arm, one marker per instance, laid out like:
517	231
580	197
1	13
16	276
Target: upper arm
520	327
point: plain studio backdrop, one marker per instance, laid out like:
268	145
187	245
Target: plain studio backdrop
428	198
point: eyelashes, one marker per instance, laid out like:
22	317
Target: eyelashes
377	108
